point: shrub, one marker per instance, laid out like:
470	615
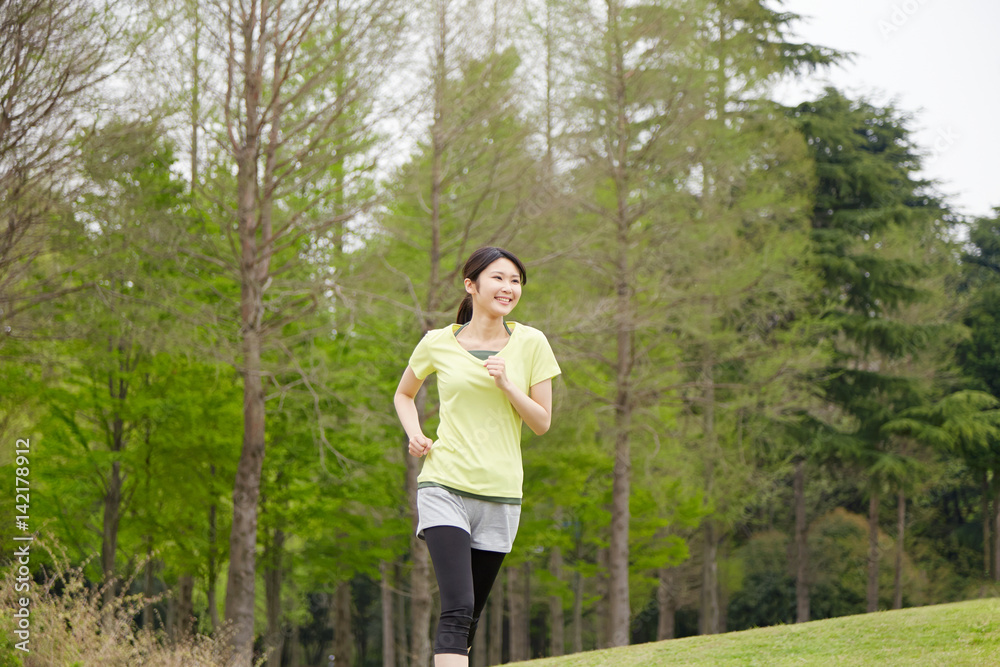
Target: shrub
71	625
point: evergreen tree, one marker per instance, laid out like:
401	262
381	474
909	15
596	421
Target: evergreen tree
870	211
979	358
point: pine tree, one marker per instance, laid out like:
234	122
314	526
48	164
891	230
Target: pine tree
979	358
870	210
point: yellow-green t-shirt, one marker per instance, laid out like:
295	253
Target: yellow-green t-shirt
477	451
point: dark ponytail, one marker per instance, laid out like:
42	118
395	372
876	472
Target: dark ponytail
478	261
465	310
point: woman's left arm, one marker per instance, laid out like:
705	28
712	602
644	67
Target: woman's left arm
536	409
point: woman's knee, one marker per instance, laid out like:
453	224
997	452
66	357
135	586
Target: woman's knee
461	602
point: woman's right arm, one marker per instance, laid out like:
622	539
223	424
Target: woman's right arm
406	408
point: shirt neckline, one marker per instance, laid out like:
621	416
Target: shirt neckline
513	331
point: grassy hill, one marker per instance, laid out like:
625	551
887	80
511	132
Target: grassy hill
962	633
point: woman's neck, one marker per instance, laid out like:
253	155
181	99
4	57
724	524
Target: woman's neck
486	327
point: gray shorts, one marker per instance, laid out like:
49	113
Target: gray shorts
491	525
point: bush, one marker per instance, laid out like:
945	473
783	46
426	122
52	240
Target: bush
838	568
767	592
71	626
838	574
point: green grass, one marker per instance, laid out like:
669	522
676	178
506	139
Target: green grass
962	633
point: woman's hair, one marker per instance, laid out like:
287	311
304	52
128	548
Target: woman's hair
478	261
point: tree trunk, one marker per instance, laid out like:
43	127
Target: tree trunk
272	591
619	605
420	589
477	656
213	566
184	620
801	545
343	642
526	605
873	553
437	152
558	632
402	624
295	654
602	626
240	595
996	535
986	523
618	557
109	544
550	50
388	640
518	625
113	484
897	583
708	621
171	620
195	94
666	602
240	585
147	586
709	618
577	612
496	605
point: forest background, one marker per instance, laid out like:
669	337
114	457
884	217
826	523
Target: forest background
226	225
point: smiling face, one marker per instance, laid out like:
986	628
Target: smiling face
497	289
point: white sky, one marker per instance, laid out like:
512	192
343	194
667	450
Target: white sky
936	59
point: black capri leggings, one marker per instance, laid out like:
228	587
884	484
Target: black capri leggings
465	577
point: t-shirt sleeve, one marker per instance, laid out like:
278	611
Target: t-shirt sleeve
422	361
544	365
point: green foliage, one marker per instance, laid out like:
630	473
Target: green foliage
766	593
784	276
865	160
838	548
965	423
838	543
979	355
873	227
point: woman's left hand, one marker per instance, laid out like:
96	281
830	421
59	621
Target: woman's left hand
498	371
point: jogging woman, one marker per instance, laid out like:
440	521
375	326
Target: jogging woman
492	375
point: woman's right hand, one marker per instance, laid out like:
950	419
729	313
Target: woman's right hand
420	444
